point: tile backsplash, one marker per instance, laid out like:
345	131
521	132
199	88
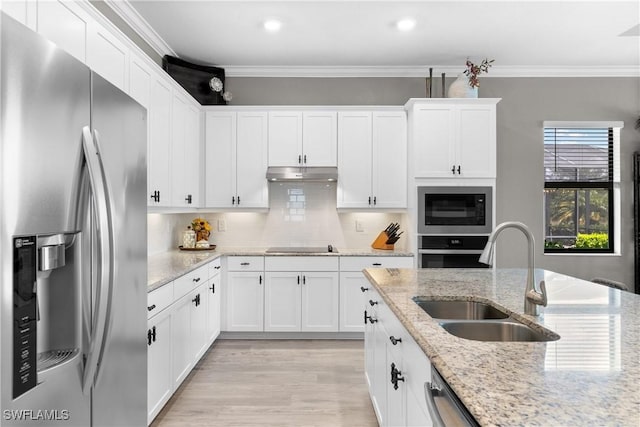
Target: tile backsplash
300	214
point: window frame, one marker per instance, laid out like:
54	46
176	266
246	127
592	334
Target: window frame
608	186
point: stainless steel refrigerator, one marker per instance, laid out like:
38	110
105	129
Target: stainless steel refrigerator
72	241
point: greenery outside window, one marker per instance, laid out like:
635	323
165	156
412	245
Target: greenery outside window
581	172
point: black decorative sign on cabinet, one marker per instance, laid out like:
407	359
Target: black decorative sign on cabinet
195	79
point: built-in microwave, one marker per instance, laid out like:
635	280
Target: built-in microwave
455	210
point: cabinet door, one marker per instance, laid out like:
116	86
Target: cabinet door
354	160
159	363
369	344
381	373
352	301
108	56
63	23
245	301
181	349
433	141
220	159
319	138
178	152
252	187
320	293
159	142
476	135
213	308
193	156
396	397
139	81
199	343
389	159
285	138
282	296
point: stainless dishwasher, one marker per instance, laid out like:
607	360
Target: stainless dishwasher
445	408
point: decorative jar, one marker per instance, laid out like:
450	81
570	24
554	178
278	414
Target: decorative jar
189	238
460	88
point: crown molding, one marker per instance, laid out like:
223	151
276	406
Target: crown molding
130	15
423	71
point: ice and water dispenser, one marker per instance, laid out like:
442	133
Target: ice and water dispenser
46	305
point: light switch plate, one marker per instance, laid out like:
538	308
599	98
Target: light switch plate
359	227
222	225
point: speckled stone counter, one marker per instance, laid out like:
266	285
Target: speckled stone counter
167	266
589	377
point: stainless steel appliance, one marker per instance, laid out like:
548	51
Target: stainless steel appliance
444	407
72	241
455	210
451	251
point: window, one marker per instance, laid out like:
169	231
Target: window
581	173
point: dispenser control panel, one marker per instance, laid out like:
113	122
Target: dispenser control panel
24	314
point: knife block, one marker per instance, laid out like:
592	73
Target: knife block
380	242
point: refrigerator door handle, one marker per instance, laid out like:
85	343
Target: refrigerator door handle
105	238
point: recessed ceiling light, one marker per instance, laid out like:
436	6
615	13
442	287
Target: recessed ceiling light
272	25
406	24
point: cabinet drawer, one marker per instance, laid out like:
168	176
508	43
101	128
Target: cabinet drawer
214	267
245	263
183	284
359	263
301	263
159	299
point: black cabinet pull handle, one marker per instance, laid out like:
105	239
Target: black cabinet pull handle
245	263
375	200
299	159
369	200
304	280
377	264
188	199
298	279
151	307
213	288
148	336
153	333
196	300
372	319
260	282
394	340
305	159
453	169
233	200
365	317
372	303
217	267
395	376
458	169
156	196
238	200
197	279
363	289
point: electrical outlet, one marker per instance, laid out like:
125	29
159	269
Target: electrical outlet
222	225
359	227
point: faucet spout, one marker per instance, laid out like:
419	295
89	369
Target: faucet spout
533	298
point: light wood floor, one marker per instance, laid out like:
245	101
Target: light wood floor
274	383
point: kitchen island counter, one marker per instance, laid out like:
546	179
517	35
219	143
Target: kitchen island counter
590	376
167	266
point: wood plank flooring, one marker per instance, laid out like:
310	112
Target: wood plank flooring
274	383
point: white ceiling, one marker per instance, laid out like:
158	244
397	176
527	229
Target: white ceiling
535	37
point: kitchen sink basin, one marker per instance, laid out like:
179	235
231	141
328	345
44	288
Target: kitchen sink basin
496	331
463	310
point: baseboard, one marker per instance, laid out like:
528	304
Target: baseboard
291	335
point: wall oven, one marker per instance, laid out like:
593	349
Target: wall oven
455	210
451	251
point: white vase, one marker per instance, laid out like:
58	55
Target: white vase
460	88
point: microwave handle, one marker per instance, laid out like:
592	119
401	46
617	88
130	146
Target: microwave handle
450	251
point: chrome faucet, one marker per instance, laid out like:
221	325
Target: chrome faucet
532	298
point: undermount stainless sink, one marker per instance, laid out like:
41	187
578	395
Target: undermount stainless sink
497	331
458	309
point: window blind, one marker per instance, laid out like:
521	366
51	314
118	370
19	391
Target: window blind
578	154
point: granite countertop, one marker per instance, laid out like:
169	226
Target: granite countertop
167	266
590	376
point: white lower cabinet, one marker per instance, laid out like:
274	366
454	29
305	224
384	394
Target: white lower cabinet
180	333
214	287
159	379
396	368
244	290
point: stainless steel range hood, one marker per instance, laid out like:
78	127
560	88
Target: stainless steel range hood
303	173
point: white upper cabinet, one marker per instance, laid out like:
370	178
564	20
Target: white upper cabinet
298	138
372	159
23	11
236	159
65	24
108	56
453	138
139	81
159	143
185	154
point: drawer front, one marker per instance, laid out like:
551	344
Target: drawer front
214	267
184	284
159	299
245	263
359	263
301	263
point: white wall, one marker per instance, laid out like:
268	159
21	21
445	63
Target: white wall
300	214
